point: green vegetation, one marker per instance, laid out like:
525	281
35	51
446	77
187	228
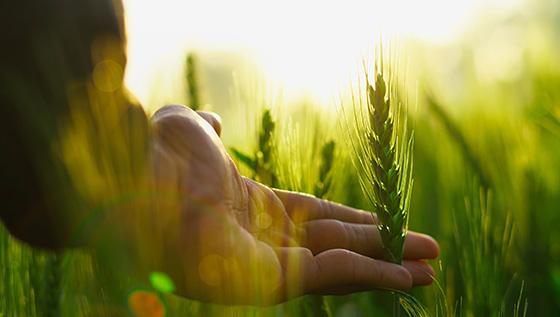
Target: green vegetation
261	163
385	162
324	183
383	155
486	186
193	82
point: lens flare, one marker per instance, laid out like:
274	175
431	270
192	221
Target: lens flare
161	282
146	304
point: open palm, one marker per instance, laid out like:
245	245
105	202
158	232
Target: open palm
233	240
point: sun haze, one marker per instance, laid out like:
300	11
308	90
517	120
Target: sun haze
308	48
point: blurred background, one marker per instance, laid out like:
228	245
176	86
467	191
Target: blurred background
482	82
309	48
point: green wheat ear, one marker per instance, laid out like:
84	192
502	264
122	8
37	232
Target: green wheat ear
384	147
264	157
262	162
323	184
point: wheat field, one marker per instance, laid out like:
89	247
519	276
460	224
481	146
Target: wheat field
486	174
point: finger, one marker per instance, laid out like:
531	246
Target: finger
326	234
344	290
420	246
213	118
302	207
338	268
422	273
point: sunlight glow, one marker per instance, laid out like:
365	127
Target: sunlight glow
307	47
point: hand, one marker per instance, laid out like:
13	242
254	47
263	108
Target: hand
232	240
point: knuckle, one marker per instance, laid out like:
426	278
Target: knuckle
347	236
169	110
174	119
344	235
176	127
327	208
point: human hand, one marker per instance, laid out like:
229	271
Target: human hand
232	240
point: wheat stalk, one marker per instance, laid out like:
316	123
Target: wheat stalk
384	157
193	87
262	162
383	149
323	184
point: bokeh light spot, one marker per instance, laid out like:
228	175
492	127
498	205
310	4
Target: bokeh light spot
161	282
263	220
210	269
146	304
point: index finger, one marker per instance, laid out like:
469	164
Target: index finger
303	207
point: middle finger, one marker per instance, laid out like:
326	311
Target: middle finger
325	234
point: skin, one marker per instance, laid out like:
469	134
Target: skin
250	244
